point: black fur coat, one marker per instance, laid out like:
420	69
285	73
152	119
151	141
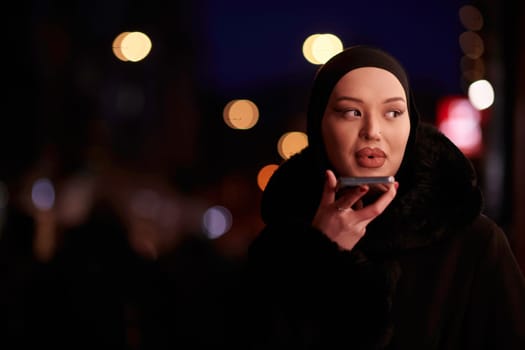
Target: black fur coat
432	272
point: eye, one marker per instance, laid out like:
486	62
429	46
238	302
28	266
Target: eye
351	113
394	113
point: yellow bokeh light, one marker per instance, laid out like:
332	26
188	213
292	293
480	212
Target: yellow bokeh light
307	49
319	48
325	47
135	46
265	174
241	114
117	46
226	113
291	143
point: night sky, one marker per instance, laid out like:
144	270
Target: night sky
261	41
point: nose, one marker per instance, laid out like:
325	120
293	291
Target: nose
371	128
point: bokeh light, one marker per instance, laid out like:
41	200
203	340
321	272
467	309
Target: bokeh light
307	49
471	17
265	174
471	44
241	114
291	143
481	94
131	46
117	46
43	194
216	221
319	48
460	122
325	47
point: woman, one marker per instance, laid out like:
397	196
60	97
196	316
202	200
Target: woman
415	266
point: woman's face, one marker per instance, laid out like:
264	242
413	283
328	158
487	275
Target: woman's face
366	124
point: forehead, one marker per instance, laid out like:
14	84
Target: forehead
369	80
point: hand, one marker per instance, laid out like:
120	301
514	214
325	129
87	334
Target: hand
344	219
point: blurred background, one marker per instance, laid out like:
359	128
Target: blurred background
137	138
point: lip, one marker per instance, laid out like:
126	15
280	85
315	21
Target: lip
370	157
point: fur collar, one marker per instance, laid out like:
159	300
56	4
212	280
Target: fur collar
441	195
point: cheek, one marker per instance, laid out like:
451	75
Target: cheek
398	146
336	140
339	150
338	137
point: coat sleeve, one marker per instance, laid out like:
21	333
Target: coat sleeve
499	301
291	260
302	284
296	255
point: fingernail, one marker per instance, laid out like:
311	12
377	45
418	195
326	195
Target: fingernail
396	185
362	189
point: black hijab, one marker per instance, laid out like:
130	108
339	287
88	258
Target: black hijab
327	77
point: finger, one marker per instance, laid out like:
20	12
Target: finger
379	188
330	185
374	209
351	196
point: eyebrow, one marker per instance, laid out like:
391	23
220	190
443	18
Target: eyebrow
388	100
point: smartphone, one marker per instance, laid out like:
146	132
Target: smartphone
344	182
